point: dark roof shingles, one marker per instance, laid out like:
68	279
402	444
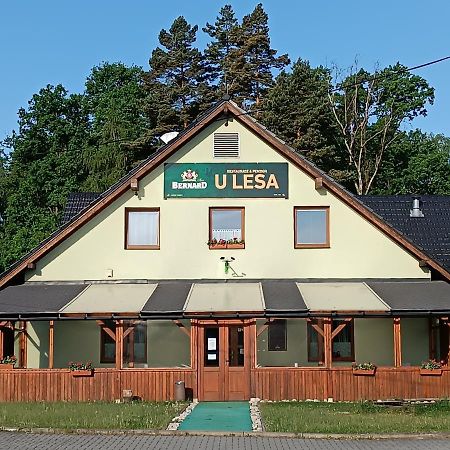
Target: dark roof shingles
431	233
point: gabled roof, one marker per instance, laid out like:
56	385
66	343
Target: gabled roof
430	233
222	110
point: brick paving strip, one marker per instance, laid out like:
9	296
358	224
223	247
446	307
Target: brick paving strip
143	440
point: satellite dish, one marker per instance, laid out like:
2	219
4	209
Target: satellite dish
167	137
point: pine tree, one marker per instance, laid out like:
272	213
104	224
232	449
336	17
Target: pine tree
259	58
222	54
297	109
176	84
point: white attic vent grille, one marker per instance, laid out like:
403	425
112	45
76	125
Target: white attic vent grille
226	145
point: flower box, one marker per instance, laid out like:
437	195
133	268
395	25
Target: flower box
364	372
6	366
431	372
225	246
83	373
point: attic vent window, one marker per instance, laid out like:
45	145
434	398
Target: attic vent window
226	145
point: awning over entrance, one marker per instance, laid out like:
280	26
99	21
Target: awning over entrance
340	297
114	298
176	299
235	297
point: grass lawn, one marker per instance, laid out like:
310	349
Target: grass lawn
98	415
313	417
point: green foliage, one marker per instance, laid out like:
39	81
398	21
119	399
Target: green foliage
98	415
417	163
260	58
45	166
222	55
369	110
297	110
354	418
177	78
114	99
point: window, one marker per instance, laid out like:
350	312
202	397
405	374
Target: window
108	342
226	228
277	336
342	344
142	228
312	228
226	145
343	349
134	342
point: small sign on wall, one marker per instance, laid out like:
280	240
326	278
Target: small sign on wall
225	180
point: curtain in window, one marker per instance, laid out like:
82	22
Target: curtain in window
143	228
311	226
226	224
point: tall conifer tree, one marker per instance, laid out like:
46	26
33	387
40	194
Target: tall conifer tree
177	81
260	58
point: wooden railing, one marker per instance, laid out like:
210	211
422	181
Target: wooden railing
30	385
342	385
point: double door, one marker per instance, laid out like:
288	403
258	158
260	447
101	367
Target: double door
224	361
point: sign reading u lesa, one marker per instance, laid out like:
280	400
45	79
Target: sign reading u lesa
224	180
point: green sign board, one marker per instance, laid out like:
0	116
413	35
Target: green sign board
225	180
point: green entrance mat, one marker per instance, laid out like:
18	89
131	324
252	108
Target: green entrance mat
218	416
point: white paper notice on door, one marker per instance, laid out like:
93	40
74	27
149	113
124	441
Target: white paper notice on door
212	344
212	356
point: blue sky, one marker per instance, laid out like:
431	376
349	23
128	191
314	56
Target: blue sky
49	41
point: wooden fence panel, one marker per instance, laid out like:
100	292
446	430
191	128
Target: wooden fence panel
105	385
342	385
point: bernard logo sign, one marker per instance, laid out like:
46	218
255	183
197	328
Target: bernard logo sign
226	180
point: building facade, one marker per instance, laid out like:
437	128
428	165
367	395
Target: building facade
227	261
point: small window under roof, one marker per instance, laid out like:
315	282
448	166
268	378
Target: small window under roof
226	145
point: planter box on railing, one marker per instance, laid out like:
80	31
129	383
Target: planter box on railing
362	372
431	372
83	373
6	366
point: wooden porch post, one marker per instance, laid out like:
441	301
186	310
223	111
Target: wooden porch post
397	343
51	336
23	337
1	343
328	353
119	344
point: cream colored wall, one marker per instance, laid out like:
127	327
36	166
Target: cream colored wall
297	350
37	344
374	341
358	250
415	341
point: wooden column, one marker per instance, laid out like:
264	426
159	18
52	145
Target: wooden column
1	343
327	341
119	344
23	337
51	343
397	343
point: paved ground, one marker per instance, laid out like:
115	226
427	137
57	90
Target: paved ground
28	441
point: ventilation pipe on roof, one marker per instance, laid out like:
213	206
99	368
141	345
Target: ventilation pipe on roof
416	211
